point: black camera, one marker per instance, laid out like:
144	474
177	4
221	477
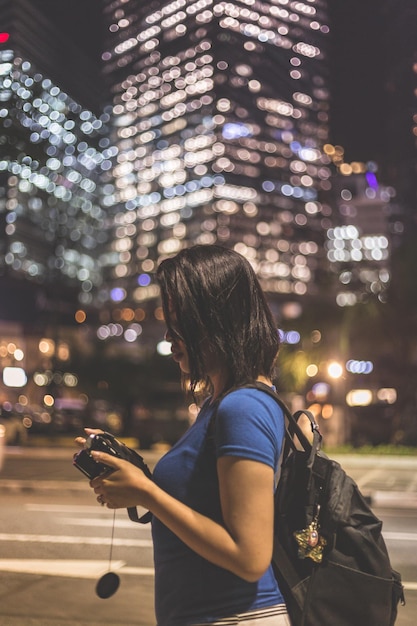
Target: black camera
105	442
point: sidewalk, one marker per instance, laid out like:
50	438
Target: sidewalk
388	481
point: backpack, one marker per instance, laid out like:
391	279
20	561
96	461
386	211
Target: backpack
329	558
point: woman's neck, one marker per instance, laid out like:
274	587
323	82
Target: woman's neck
219	380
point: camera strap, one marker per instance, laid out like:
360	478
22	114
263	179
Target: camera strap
134	517
138	460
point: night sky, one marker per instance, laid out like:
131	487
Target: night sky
357	75
356	66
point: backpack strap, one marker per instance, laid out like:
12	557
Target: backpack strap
292	428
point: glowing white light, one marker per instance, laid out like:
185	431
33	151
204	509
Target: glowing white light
359	397
334	369
164	348
14	377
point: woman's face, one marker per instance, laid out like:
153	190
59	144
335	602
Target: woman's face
178	349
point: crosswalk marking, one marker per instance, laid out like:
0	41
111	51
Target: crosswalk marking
402	536
68	508
100	541
102	523
84	509
408	586
70	568
394	499
367	477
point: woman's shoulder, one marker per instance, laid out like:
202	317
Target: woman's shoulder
249	398
248	423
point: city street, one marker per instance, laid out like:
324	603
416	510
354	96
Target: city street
195	195
56	544
54	550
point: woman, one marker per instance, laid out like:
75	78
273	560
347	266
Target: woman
212	494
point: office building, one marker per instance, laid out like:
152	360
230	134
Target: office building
359	242
219	117
53	149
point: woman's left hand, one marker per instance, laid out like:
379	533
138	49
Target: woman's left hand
124	487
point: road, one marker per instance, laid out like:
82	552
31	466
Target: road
54	550
55	544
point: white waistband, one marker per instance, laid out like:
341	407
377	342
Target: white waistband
263	617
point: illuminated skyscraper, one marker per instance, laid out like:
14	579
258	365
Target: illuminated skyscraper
360	240
52	152
220	113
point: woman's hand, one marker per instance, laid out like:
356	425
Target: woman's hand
80	441
124	487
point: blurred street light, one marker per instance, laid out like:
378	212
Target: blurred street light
14	377
335	370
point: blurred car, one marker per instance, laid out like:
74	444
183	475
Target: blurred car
12	429
159	427
69	415
105	415
72	415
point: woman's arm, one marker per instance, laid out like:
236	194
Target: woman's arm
243	545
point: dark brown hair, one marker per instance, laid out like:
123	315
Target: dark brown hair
211	294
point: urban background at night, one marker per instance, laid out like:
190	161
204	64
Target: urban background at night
284	129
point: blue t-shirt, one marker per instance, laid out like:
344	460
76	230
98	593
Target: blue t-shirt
188	588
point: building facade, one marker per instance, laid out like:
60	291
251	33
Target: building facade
359	244
219	117
53	150
213	128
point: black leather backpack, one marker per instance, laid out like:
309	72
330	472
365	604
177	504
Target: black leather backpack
330	558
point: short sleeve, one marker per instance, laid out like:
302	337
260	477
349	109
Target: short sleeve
249	424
